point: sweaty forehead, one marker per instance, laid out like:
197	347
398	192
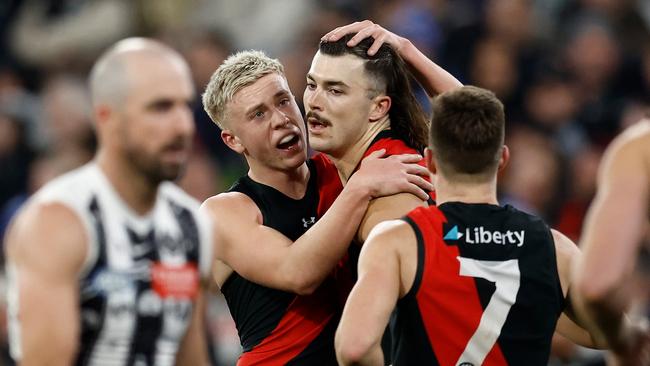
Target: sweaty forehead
348	69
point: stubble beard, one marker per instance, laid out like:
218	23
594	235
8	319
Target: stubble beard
151	167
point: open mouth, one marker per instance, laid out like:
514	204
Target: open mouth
316	124
288	142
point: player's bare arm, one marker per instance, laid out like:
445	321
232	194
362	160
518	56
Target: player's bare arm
263	255
193	348
613	232
387	208
568	324
433	78
387	266
46	248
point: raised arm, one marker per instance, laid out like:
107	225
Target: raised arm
612	237
46	247
384	275
265	256
433	78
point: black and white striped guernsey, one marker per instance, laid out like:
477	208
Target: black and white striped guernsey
141	275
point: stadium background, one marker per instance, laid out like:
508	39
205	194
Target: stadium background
571	73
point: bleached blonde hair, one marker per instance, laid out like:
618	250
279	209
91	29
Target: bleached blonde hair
235	73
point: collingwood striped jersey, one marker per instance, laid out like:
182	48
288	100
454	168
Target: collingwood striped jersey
140	277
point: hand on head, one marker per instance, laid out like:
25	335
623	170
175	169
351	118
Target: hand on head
364	30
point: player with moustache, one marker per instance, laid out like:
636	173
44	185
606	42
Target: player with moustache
472	282
275	243
359	100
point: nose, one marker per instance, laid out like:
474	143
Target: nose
185	120
311	98
280	119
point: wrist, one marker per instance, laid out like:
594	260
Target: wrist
405	48
358	189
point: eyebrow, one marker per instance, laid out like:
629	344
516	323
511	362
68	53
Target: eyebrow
257	106
329	83
164	99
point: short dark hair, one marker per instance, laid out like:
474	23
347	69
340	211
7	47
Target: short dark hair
386	67
467	132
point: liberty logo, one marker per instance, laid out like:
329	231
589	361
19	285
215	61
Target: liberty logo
480	235
310	222
453	234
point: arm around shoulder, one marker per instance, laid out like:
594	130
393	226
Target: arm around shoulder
265	256
46	249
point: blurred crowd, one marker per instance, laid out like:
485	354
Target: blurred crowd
571	73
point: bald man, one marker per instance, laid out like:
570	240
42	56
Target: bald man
104	263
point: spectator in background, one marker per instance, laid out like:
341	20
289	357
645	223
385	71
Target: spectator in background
582	171
550	104
67	118
55	34
593	56
532	180
15	157
205	51
494	67
43	168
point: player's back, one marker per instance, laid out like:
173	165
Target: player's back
486	289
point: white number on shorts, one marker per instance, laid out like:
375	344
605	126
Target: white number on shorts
505	275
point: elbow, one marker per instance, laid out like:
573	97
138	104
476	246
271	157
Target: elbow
299	279
301	285
304	288
593	290
348	355
350	350
591	294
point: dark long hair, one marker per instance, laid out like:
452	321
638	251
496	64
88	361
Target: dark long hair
407	119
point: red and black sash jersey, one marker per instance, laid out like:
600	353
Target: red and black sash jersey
330	184
394	146
486	290
277	327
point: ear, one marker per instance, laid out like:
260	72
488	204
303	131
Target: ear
505	158
232	141
103	113
380	107
430	160
105	118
